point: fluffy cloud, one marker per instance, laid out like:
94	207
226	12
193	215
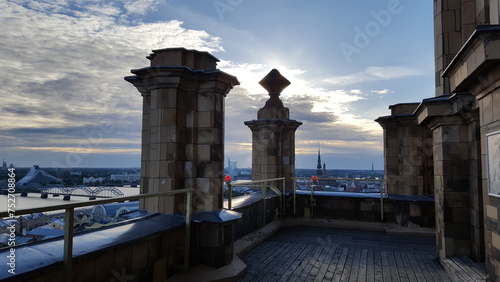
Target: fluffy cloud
328	115
64	99
62	73
374	74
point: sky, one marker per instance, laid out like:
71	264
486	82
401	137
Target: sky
64	102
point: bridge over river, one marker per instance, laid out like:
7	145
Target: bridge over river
82	191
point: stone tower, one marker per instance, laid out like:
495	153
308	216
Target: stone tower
182	128
273	134
440	146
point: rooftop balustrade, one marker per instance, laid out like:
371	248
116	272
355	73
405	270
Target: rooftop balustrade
69	219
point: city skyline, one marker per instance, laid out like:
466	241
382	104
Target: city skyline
65	103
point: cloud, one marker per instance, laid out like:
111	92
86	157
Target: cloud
383	91
63	89
140	7
85	8
63	67
328	116
81	150
302	108
374	74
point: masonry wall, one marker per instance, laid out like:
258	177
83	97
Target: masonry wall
489	104
452	190
183	128
475	69
255	216
408	159
142	260
454	22
412	213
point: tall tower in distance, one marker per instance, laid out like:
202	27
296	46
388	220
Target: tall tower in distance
319	167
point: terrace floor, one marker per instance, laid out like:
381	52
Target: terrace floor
326	254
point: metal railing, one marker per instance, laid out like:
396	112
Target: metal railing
69	221
381	190
260	184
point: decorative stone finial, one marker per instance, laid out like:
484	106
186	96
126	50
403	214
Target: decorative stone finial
274	83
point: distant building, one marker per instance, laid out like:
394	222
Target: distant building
6	223
37	176
321	169
126	177
44	232
57	223
232	168
79	219
92	180
76	172
245	171
111	212
31	221
4	165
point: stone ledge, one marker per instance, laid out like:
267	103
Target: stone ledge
390	229
248	242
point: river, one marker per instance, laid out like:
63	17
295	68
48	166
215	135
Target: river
33	200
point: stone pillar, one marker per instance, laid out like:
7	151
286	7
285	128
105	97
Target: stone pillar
453	122
408	162
273	135
452	191
183	128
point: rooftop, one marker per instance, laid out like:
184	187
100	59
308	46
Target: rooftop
317	254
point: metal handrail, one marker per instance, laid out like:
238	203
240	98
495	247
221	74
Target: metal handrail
69	220
249	184
283	201
263	188
382	190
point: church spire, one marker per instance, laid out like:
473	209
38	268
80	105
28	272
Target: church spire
319	167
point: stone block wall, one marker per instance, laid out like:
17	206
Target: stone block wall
452	191
183	128
145	259
408	152
403	212
273	150
454	22
476	69
489	104
254	216
273	135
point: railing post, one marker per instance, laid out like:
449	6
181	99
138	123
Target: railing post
263	189
294	196
382	189
189	197
312	201
229	196
284	196
68	244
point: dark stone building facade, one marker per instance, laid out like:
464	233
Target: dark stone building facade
447	145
